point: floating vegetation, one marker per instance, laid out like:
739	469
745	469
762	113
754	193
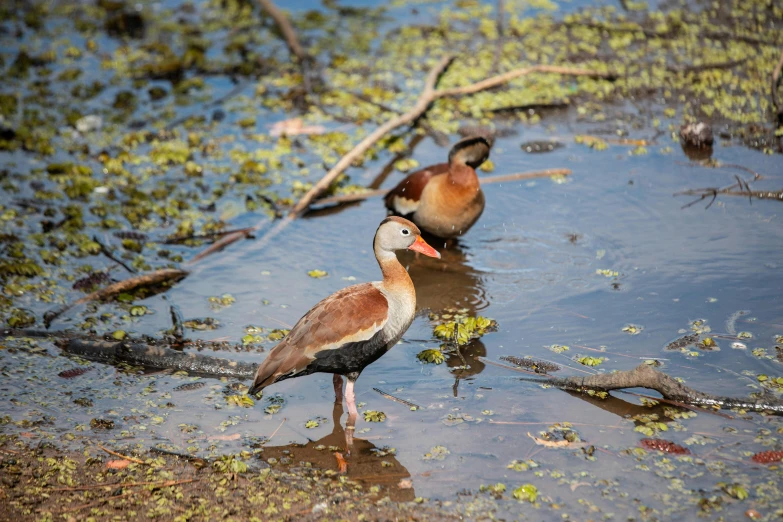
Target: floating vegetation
607	273
531	364
558	348
207	323
431	355
768	457
558	435
700	326
437	453
190	386
74	372
317	274
633	329
526	493
649	425
92	281
225	300
522	465
243	401
709	344
102	424
457	325
664	446
593	142
589	361
772	383
374	416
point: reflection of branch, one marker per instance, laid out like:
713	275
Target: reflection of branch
645	376
729	191
348	198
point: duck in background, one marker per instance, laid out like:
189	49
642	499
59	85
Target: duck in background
355	326
445	200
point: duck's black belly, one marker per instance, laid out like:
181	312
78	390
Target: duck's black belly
350	357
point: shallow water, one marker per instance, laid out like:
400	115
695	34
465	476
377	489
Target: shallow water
529	263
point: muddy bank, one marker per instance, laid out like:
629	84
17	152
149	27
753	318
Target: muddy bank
47	483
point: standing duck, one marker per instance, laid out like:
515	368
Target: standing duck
355	326
445	200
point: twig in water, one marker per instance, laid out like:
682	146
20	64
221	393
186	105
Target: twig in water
677	403
276	430
152	278
110	452
391	397
512	368
222	243
105	251
179	239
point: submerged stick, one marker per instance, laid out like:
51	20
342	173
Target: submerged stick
161	357
152	278
111	452
391	397
223	242
519	176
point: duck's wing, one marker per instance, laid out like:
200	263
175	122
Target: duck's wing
404	198
353	314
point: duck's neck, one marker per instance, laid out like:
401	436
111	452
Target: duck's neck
461	174
395	277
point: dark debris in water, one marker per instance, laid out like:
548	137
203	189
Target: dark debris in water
682	342
74	372
91	281
537	147
664	446
535	365
190	386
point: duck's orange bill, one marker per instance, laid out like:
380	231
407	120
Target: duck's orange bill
421	246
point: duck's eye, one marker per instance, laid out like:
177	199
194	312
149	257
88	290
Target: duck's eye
405	231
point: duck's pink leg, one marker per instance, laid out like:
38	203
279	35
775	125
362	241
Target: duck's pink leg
353	413
337	380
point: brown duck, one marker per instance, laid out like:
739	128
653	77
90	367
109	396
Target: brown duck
445	200
355	326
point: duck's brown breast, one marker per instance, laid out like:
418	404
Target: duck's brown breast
448	209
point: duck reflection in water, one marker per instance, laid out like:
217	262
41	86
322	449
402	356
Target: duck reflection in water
368	463
450	283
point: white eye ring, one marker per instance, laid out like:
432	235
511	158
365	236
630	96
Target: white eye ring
404	232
